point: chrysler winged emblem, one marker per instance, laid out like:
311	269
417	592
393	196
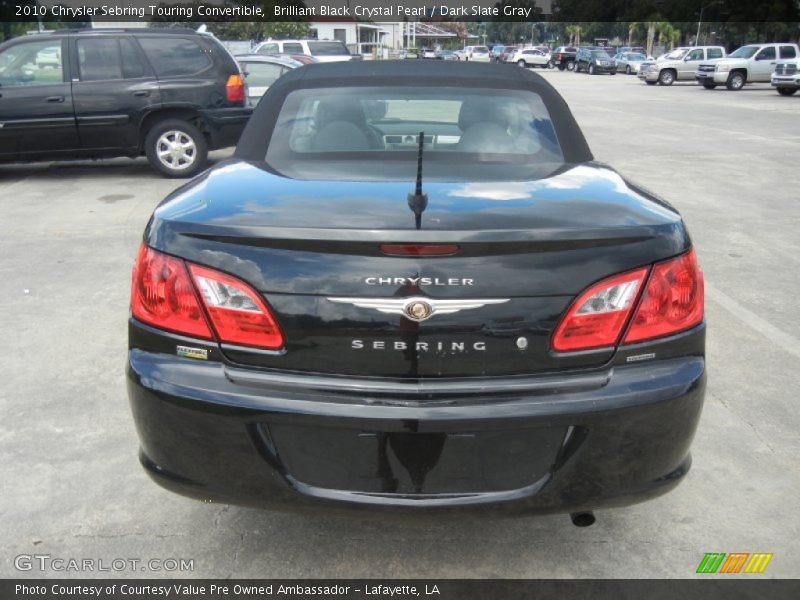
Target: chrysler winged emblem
418	308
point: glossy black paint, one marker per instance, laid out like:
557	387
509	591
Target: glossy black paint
77	118
515	427
536	243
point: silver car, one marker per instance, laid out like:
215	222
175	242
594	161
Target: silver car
629	62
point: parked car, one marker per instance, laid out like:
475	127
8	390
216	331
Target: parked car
680	64
168	94
428	52
753	63
508	52
634	49
335	316
496	52
261	71
322	50
564	57
629	62
594	61
531	57
786	77
446	55
408	53
478	54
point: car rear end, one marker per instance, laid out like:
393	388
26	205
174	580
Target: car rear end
564	57
226	115
531	345
479	54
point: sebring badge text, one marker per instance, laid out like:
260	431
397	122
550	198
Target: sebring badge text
419	346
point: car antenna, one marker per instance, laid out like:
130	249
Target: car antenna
418	201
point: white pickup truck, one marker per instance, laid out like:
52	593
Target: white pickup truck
678	65
753	63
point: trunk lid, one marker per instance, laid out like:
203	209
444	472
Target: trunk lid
526	249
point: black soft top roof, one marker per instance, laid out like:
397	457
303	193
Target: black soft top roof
410	73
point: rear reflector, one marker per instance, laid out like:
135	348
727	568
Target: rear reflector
419	249
672	302
237	313
597	317
234	89
164	294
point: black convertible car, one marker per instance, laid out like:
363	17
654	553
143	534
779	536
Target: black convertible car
412	287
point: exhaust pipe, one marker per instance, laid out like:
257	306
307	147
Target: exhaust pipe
582	519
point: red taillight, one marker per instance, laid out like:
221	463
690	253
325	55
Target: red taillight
597	317
238	315
419	249
234	89
164	294
672	302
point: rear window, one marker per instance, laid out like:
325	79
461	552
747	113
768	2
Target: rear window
336	130
327	49
714	53
481	49
172	56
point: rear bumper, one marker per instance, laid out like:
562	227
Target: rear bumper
545	444
225	125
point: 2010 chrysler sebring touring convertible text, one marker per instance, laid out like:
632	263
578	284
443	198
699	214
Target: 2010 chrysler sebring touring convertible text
412	286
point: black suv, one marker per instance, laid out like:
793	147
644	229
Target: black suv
168	94
594	60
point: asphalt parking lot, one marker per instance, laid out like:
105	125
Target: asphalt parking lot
73	487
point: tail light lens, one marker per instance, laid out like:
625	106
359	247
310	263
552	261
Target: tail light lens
597	317
237	313
672	302
164	294
234	89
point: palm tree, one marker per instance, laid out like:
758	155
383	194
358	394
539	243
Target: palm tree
632	29
574	33
651	34
668	35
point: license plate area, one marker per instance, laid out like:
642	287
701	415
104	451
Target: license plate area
416	463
